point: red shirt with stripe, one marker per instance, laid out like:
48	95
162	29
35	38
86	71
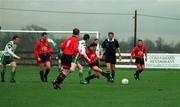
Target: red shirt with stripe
139	51
91	55
42	47
70	46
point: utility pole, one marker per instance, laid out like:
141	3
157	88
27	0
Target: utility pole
135	27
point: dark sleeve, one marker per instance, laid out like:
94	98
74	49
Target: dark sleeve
104	44
116	44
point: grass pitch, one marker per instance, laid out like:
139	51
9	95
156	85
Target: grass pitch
157	88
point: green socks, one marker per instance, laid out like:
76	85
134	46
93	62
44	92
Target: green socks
13	75
2	76
89	71
59	68
81	75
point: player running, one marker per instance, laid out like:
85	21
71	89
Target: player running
139	51
9	57
94	63
69	48
109	47
76	60
42	53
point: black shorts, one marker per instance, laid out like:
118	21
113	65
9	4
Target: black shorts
44	58
139	61
96	63
66	61
110	59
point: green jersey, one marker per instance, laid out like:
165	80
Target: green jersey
7	55
10	49
52	43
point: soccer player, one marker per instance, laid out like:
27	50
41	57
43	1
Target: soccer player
9	57
69	48
42	53
53	45
98	52
94	63
139	51
109	47
76	60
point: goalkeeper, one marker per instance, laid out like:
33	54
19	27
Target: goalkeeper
9	57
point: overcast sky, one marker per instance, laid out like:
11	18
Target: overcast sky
122	25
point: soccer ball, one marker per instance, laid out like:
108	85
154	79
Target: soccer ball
125	81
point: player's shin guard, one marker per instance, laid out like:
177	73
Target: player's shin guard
42	76
81	75
46	74
13	76
60	78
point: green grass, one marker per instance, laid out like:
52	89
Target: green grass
157	88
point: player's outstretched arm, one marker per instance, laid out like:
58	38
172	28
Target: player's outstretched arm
132	54
85	56
12	53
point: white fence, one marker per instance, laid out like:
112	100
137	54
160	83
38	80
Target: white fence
155	60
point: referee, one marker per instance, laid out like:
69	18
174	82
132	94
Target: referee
109	48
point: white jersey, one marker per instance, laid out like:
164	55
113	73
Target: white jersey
98	50
82	46
10	49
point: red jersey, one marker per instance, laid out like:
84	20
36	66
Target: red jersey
139	52
91	55
42	47
70	46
